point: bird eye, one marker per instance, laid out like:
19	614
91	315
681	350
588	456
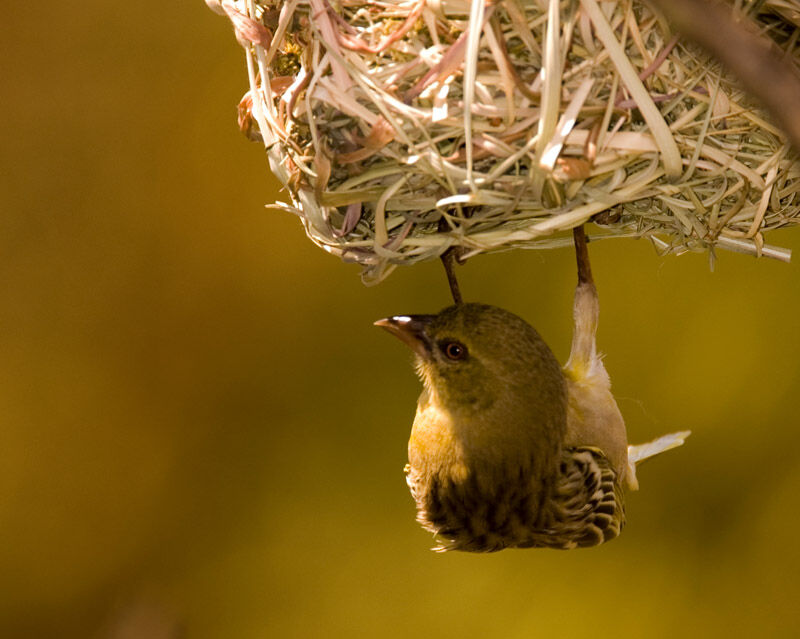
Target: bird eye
454	350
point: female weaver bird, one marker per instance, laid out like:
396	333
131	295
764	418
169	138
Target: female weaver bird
509	450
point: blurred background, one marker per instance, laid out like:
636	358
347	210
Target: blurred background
202	435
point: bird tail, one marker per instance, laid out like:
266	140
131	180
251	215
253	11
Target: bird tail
637	454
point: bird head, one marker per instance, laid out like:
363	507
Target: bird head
473	356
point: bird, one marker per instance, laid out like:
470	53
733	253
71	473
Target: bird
508	449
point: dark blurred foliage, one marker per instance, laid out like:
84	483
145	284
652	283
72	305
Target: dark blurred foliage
202	435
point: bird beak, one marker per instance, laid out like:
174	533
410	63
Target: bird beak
411	329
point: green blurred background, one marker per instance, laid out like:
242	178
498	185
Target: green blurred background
203	434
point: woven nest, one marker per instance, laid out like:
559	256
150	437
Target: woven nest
403	128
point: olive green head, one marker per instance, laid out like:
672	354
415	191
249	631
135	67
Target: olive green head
474	355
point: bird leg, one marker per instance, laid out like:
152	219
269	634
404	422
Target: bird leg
449	261
449	258
586	309
582	255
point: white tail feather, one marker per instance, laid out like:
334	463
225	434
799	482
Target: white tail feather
637	454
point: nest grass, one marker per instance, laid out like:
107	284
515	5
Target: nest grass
402	128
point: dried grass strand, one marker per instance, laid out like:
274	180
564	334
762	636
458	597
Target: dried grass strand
513	122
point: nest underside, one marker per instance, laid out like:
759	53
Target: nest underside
400	131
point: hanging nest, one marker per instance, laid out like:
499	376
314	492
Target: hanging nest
403	128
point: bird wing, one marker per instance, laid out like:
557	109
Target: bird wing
587	505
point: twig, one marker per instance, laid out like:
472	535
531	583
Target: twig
761	67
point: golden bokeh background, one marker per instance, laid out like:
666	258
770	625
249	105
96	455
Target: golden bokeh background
203	436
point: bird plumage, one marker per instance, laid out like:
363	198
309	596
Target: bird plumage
507	449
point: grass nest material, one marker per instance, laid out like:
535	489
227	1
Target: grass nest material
402	128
